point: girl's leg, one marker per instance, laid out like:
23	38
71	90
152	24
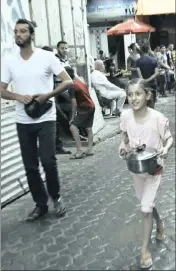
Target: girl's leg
150	189
159	225
157	218
147	231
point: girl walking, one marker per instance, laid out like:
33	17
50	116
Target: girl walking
143	125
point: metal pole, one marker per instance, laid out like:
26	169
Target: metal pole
61	19
84	19
74	34
31	15
47	19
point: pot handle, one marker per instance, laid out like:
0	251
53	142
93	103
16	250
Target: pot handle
123	155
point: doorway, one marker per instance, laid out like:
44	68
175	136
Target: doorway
116	48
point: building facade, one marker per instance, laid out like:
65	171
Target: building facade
104	14
161	15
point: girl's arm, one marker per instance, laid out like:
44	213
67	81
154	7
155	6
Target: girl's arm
124	145
167	147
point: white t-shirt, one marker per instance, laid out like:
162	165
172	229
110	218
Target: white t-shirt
30	77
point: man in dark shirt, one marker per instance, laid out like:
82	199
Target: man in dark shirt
61	116
147	69
83	110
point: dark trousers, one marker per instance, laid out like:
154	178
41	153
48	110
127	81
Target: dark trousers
45	134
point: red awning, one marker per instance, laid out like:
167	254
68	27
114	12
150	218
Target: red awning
130	26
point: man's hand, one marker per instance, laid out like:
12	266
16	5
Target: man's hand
41	98
25	99
70	122
64	116
164	153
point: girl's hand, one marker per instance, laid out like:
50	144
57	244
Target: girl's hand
164	153
123	149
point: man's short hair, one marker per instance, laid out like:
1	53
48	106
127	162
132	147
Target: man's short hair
47	48
70	71
31	25
132	45
61	42
162	46
145	48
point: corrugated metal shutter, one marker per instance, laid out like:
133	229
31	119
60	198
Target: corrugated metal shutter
13	179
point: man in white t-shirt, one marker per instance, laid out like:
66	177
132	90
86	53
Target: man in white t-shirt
32	74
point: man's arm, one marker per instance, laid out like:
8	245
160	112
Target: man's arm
139	73
66	83
153	76
7	95
163	65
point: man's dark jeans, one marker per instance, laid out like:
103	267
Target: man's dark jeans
45	134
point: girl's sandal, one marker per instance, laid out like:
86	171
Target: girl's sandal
146	262
160	233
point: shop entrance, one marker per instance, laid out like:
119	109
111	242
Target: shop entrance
116	48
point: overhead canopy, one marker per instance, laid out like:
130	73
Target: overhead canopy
154	7
130	26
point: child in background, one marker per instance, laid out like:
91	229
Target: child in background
83	110
143	125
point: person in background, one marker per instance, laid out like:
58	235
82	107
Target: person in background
129	50
101	55
83	105
173	51
62	118
163	64
170	58
147	69
113	73
157	52
107	89
32	71
131	60
170	62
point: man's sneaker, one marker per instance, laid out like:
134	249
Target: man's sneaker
37	213
59	207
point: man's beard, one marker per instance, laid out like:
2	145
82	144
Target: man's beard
63	55
25	43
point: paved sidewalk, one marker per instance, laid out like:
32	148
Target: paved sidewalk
102	227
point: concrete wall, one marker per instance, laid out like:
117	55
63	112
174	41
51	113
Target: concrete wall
99	40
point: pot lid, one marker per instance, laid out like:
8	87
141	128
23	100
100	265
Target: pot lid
145	154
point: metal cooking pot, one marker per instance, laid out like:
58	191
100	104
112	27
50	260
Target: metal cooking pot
142	160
